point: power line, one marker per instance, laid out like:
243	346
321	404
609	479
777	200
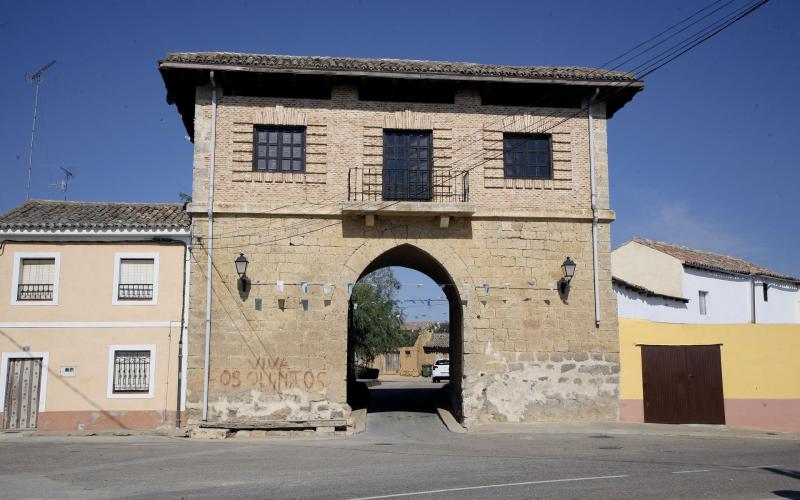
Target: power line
683	47
702	40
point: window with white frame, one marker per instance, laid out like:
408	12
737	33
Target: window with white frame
703	302
131	371
136	278
35	278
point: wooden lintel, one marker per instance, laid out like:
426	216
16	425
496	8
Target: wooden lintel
369	220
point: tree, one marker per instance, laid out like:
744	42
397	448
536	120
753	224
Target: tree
443	327
377	321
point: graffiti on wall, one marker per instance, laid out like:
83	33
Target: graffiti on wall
273	374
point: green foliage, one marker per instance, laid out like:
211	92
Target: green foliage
377	321
443	327
410	337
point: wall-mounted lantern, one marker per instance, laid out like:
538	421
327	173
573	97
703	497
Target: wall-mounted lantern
241	269
569	271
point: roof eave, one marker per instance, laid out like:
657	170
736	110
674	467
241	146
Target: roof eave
645	291
399	74
744	274
5	231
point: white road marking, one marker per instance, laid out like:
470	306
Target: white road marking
486	486
691	471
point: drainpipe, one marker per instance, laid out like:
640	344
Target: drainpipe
182	344
752	299
595	217
210	242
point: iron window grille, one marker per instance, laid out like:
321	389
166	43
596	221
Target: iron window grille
279	149
135	291
136	279
368	184
131	371
35	291
407	165
527	156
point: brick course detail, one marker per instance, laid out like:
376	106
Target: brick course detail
528	355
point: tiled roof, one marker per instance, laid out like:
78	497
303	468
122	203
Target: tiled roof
438	341
645	291
712	261
91	215
396	66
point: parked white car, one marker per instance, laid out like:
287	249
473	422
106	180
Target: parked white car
441	370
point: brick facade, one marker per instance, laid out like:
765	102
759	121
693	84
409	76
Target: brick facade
526	354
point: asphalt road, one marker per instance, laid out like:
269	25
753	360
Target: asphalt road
407	452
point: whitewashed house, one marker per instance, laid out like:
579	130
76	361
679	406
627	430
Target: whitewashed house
706	339
669	283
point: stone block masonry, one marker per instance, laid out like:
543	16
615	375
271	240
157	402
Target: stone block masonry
522	352
528	355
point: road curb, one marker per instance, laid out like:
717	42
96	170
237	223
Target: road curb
447	417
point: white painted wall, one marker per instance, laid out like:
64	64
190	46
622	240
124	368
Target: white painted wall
634	305
728	301
782	306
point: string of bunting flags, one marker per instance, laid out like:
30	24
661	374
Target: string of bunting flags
466	288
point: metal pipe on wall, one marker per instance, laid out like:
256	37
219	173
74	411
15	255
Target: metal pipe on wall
182	342
210	243
752	299
595	218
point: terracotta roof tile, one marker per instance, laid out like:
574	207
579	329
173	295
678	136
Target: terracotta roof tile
712	261
439	341
399	66
645	291
91	215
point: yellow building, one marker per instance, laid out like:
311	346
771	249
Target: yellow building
759	366
706	339
92	318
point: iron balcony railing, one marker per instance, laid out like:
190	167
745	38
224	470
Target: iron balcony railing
401	184
132	371
38	291
135	291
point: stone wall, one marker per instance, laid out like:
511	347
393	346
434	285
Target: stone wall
527	354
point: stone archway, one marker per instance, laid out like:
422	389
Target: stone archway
413	257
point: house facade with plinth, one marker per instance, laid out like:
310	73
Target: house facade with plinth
706	338
92	315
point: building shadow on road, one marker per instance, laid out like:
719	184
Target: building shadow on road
792	494
783	472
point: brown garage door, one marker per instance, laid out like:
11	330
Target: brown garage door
682	384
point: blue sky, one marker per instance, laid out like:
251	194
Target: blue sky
704	156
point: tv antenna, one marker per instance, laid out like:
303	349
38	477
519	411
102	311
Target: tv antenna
36	79
63	184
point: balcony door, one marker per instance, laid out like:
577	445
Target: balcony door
407	162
